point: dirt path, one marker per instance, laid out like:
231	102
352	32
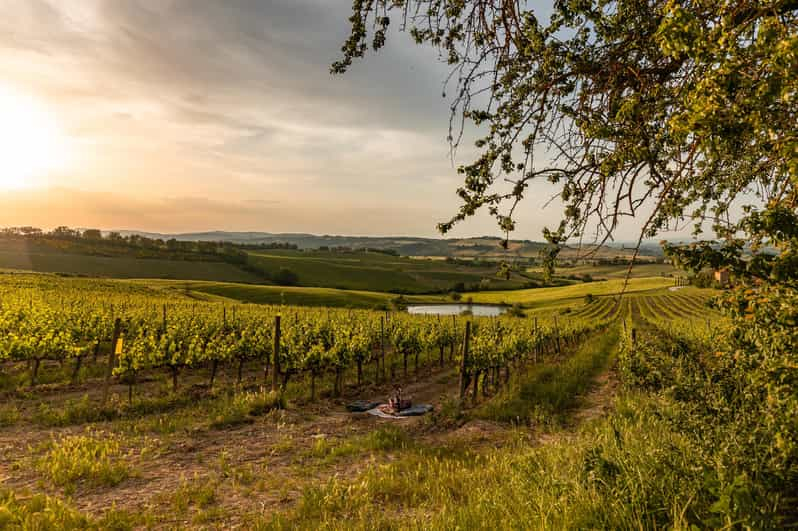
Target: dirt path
598	402
266	466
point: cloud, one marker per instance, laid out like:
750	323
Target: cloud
44	208
167	102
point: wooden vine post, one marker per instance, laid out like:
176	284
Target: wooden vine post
111	358
557	335
454	337
276	352
464	381
382	349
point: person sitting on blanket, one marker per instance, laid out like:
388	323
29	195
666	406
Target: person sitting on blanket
396	403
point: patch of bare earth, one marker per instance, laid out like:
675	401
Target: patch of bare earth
598	402
263	467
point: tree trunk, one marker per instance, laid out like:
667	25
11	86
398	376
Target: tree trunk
416	364
96	350
313	385
214	366
35	372
464	377
359	372
404	355
173	368
284	386
276	351
441	357
476	387
240	377
76	371
382	349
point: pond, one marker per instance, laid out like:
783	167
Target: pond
480	310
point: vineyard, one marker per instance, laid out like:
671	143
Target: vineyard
135	332
131	371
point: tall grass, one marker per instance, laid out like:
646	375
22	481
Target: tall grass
547	392
39	512
95	459
626	471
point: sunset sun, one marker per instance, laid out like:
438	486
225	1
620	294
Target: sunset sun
31	140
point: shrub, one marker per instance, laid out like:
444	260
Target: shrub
399	303
459	287
703	279
285	277
516	310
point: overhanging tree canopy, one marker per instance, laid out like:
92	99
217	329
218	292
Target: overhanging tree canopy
676	110
670	108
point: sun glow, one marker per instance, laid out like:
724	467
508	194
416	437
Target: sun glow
31	142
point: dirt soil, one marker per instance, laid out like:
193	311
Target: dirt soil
263	466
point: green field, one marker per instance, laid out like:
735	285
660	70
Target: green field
365	271
23	256
615	271
534	298
373	271
300	296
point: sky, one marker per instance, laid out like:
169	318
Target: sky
194	115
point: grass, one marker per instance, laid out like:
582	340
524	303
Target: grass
299	296
40	512
390	477
547	392
9	415
19	255
95	459
377	271
385	439
366	271
614	271
72	412
162	414
241	408
305	296
621	472
197	492
624	472
533	298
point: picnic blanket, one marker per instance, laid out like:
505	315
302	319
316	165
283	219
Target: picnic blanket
414	411
360	406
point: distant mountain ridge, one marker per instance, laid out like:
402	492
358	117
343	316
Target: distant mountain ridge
481	246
